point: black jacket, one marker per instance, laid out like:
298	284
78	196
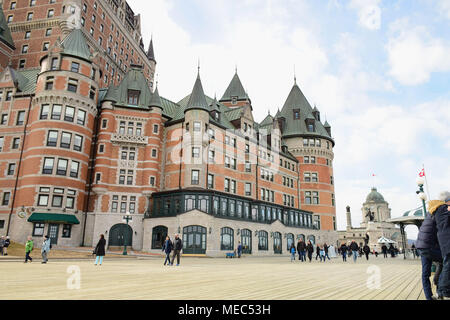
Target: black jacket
354	246
344	248
366	249
167	247
178	245
100	248
384	248
301	246
310	248
443	229
325	247
427	237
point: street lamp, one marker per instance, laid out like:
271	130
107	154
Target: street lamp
126	219
420	182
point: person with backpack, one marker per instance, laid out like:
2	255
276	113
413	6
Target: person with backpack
354	248
310	250
344	250
28	249
178	246
100	250
46	246
167	248
292	250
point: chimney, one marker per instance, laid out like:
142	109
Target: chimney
349	218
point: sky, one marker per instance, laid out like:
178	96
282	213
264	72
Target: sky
378	71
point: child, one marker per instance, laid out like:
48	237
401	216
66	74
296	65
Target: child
46	246
292	253
28	249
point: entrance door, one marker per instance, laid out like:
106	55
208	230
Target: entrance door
277	243
159	235
194	240
53	233
119	235
246	241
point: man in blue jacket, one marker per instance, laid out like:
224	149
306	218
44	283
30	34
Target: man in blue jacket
443	234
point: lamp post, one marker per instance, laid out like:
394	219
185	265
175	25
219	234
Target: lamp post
421	193
126	219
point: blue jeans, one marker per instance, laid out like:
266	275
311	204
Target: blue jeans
302	255
344	256
167	258
355	255
99	259
292	256
444	279
427	257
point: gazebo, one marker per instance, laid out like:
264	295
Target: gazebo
385	240
411	217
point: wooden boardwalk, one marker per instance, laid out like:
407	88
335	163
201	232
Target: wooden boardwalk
251	278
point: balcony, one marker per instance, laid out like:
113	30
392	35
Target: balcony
126	139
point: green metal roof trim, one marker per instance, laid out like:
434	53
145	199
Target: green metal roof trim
25	80
297	127
170	108
235	89
75	44
5	33
53	217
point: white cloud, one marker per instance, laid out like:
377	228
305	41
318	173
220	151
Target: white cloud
414	54
369	13
444	8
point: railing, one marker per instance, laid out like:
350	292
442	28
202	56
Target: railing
123	138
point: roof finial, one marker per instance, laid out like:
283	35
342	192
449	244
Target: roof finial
235	68
198	68
295	76
157	79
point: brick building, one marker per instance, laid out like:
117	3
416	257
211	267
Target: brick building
86	139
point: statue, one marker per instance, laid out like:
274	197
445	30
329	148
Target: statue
370	214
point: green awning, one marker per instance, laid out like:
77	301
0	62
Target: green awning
53	217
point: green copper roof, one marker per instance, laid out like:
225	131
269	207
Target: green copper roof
197	99
150	52
24	80
235	113
75	44
155	101
170	108
326	125
5	33
374	196
295	127
235	89
267	121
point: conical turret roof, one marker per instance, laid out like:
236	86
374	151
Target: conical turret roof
150	52
197	99
155	101
235	89
75	44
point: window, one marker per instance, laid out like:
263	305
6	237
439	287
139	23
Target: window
248	189
313	159
32	3
81	117
5	200
155	129
78	143
8	96
12	6
75	67
27	35
263	241
310	128
20	118
70	113
233	186
45	46
227	185
133	97
98	177
210	181
197	126
306	159
195	152
10	18
74	167
72	86
315	197
43	200
52	138
247	148
226	239
66	139
227	162
195	177
152	181
211	155
67	230
54	64
154	153
57	201
296	114
211	134
16	143
48	32
307	197
56	112
248	167
314	177
122	176
38	229
11	169
49	83
62	167
30	16
332	199
4	120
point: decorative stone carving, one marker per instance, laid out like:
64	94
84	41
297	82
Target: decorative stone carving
122	138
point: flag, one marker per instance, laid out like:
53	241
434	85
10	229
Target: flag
422	173
373	174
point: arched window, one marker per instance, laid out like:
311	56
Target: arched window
226	239
263	241
301	236
159	234
289	240
194	240
312	239
277	243
246	241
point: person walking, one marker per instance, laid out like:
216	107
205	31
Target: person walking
239	249
45	250
325	248
322	253
429	251
443	235
292	250
2	244
100	250
413	249
167	248
318	252
366	250
301	247
310	250
384	249
178	246
392	250
354	248
28	249
6	245
344	250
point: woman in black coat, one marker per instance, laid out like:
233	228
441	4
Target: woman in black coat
167	248
344	250
310	250
100	250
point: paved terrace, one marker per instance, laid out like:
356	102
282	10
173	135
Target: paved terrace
268	278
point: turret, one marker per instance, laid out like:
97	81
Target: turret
349	218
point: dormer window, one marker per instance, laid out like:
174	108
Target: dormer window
310	128
234	100
296	114
133	97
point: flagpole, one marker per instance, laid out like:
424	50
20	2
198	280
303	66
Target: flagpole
426	181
